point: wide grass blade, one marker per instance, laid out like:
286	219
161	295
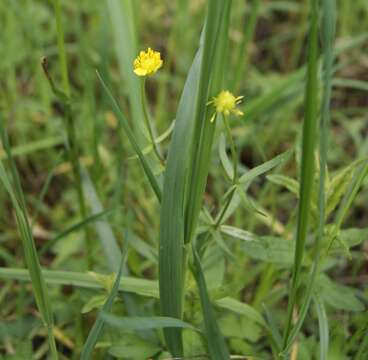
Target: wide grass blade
171	249
99	323
15	191
307	162
190	119
132	139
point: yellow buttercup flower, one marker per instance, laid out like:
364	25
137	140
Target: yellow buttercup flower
147	62
225	103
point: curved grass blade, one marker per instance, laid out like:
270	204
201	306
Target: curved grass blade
124	123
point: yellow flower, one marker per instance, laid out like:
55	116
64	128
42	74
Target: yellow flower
225	103
147	62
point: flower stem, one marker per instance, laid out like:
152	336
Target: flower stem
148	122
234	153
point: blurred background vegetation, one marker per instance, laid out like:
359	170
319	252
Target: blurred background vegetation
265	63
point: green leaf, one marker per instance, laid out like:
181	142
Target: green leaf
214	266
350	238
222	243
338	296
339	184
138	349
238	233
291	184
270	249
141	323
250	175
238	327
242	309
95	302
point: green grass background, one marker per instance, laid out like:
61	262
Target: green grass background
83	195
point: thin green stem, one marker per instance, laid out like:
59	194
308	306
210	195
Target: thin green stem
147	121
225	207
234	153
